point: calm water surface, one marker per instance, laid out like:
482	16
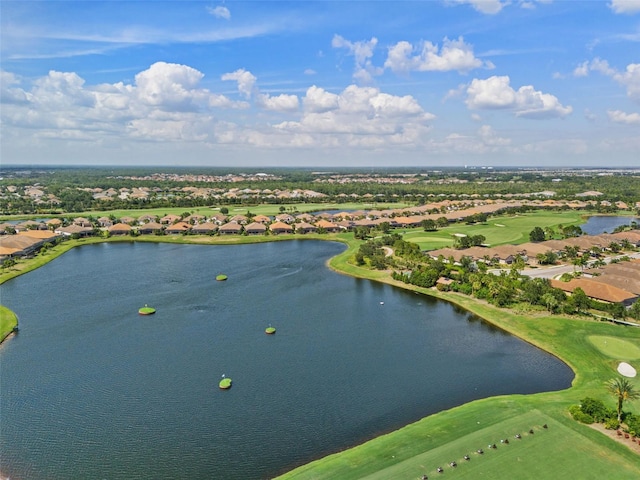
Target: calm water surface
90	389
605	223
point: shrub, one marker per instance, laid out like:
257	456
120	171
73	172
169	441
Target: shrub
596	409
611	423
579	415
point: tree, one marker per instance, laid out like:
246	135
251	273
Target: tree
224	210
622	390
428	225
537	235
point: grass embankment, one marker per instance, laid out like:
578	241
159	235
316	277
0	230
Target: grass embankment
8	321
565	448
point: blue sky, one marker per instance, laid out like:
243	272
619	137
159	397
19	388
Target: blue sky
328	83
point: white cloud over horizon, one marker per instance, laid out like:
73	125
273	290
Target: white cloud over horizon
497	93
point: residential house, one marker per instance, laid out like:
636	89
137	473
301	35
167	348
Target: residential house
278	228
120	229
255	228
178	228
150	228
230	228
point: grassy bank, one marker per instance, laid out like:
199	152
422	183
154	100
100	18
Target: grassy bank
566	447
8	322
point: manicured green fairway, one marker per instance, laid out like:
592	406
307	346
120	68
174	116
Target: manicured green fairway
498	230
616	347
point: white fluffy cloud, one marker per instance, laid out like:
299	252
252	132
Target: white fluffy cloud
490	7
219	12
279	103
246	81
629	78
359	117
497	93
454	55
362	51
166	103
625	6
619	116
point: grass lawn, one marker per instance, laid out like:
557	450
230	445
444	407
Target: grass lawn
499	230
8	321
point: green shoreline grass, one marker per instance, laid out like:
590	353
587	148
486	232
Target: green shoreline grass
8	322
437	439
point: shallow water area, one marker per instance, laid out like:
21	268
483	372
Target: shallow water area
91	389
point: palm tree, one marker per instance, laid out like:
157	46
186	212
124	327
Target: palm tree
623	390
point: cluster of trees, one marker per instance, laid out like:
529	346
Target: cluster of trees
592	410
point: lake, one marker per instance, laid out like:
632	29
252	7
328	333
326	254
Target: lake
605	223
91	389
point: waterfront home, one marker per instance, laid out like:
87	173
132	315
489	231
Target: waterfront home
128	220
329	227
178	228
278	228
230	228
119	229
255	228
150	228
77	230
304	227
206	228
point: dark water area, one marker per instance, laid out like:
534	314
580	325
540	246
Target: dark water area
91	389
605	223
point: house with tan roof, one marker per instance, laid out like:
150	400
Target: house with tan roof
230	228
170	219
278	228
304	227
255	228
82	222
70	230
597	290
239	219
150	228
105	222
261	219
119	229
19	245
206	228
128	220
178	228
329	227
